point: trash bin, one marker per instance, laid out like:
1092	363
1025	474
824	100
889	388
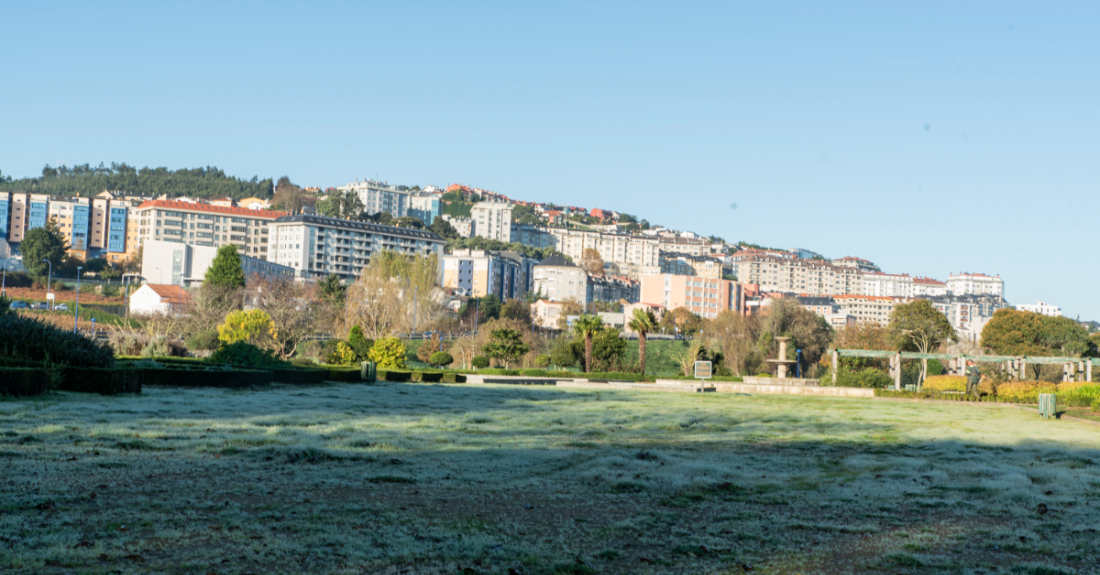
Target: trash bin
369	372
1047	405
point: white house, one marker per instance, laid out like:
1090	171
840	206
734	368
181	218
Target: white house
151	299
1041	307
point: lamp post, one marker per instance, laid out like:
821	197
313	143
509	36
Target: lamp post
4	285
76	312
49	278
798	356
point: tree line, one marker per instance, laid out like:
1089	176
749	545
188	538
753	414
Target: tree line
85	180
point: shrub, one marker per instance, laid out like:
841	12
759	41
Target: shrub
31	339
866	378
344	355
344	374
479	362
389	353
1024	391
19	381
206	339
395	375
359	344
101	381
1078	394
1096	405
945	383
441	358
245	325
431	377
542	361
206	377
246	354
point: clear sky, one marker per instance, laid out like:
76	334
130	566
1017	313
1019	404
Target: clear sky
930	138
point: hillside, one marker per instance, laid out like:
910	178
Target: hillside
209	182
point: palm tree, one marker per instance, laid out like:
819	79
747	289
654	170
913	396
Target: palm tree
642	322
587	325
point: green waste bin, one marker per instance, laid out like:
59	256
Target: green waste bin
1047	405
369	372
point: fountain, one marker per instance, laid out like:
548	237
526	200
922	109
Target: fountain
782	362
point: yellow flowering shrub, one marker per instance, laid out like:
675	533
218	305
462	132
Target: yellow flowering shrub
944	383
246	325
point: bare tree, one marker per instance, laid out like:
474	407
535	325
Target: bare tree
394	294
290	305
731	332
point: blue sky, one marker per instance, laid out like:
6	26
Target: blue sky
930	138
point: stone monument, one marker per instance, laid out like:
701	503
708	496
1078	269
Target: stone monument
782	362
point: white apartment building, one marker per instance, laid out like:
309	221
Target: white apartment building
975	284
794	275
492	220
858	263
558	279
173	263
868	307
1042	308
316	246
685	245
463	226
380	197
636	256
888	285
928	287
206	225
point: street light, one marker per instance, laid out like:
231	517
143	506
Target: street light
76	314
49	278
4	284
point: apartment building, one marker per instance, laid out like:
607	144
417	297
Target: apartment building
603	288
968	314
827	308
635	255
691	246
702	296
177	264
492	220
479	273
316	246
890	285
424	207
975	284
22	212
93	227
868	307
857	263
796	275
206	225
532	235
380	197
705	266
463	226
927	287
559	279
1041	307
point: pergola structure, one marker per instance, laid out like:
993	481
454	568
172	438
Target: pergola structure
1073	369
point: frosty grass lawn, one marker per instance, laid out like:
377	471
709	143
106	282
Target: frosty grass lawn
404	478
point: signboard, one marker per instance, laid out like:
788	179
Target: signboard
49	297
702	370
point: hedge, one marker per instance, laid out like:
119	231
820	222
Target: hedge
932	395
352	374
237	378
298	376
431	377
390	375
104	381
21	381
944	383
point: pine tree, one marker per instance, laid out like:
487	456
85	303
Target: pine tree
226	270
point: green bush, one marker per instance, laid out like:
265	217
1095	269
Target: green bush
865	378
1096	405
441	358
204	340
389	375
102	381
543	361
1078	395
389	353
344	374
207	377
480	362
298	376
359	344
937	395
31	339
245	354
21	381
431	377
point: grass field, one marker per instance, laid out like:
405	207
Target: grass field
397	478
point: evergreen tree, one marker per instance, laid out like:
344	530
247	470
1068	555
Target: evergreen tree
41	244
226	270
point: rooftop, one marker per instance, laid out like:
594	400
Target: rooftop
177	205
359	226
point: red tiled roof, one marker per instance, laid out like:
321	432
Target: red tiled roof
172	293
928	281
176	205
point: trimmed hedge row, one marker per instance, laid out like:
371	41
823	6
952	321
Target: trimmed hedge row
237	378
23	381
421	376
104	381
346	374
935	395
297	376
